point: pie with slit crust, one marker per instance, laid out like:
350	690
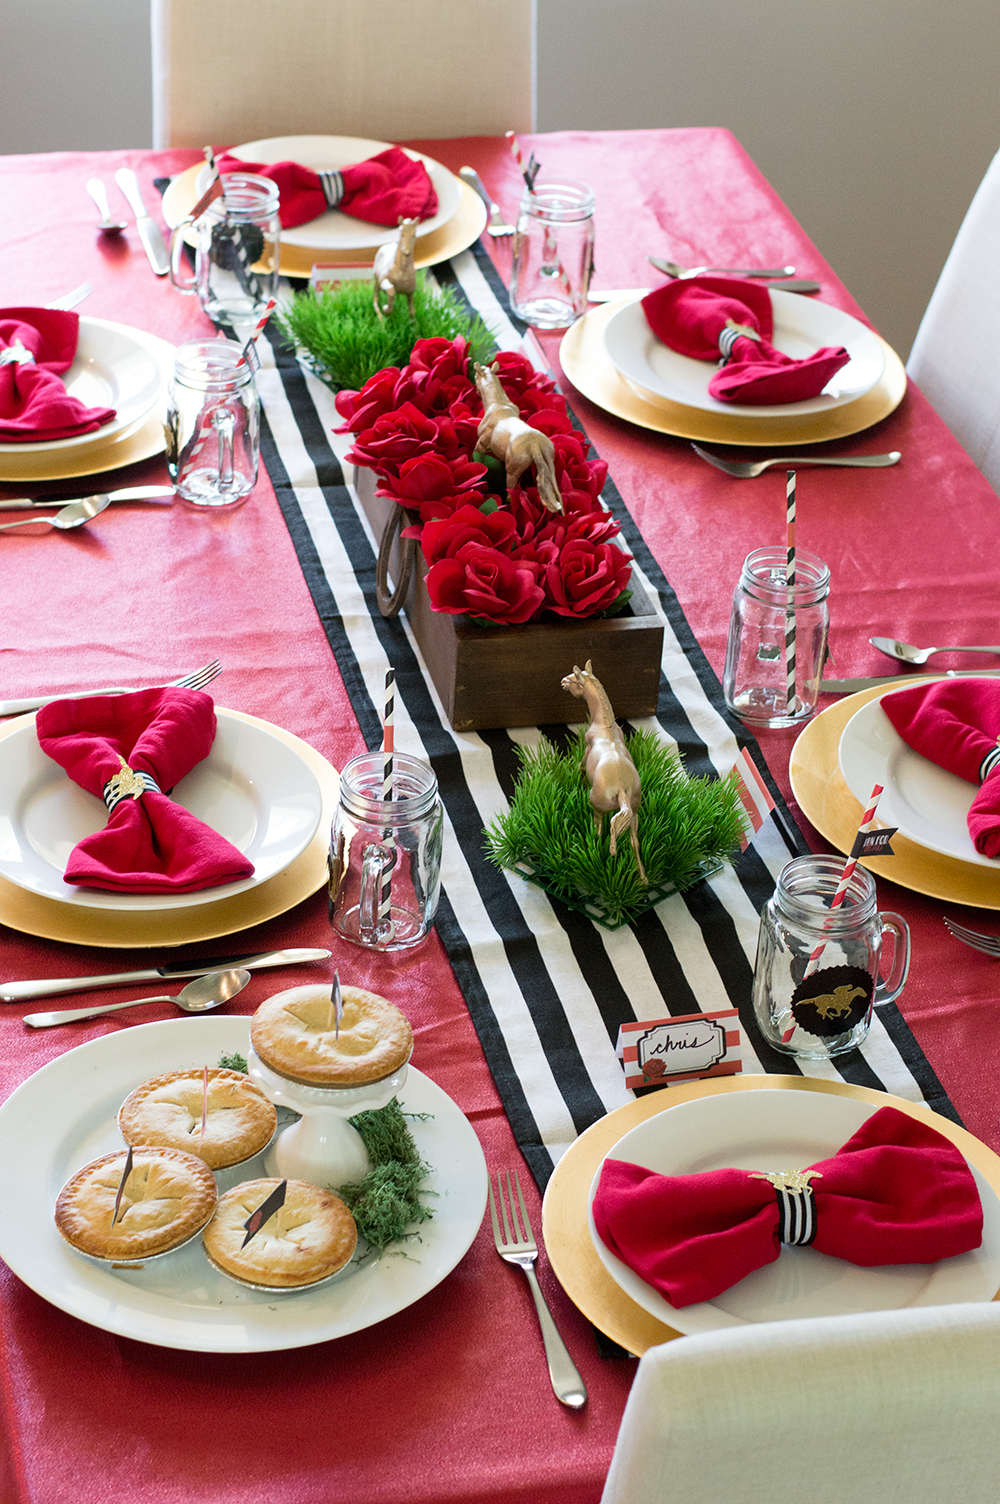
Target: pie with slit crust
295	1034
168	1197
167	1110
307	1239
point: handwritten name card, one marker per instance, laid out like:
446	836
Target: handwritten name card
665	1051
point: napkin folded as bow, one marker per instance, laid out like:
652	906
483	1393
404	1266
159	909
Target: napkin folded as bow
36	346
381	190
691	314
956	724
150	844
896	1193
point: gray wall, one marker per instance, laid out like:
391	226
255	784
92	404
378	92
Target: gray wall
874	119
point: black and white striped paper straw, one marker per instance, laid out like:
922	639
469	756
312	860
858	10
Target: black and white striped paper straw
388	738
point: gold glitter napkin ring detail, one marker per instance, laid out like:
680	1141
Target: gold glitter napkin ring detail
127	783
796	1202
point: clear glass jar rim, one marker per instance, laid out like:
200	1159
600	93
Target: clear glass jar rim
812	576
818	877
388	811
247	195
536	200
211	365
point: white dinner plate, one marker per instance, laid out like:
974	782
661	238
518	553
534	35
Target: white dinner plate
925	803
114	366
801	327
252	788
334	231
783	1130
65	1115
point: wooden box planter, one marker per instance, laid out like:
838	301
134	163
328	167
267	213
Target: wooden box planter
511	675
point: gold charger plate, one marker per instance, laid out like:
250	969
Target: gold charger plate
588	366
819	787
465	226
123	930
140	441
564	1210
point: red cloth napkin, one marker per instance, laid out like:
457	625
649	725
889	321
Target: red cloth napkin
956	724
896	1193
35	406
150	844
380	190
689	315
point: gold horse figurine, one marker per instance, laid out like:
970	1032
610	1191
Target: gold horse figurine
614	782
504	434
393	268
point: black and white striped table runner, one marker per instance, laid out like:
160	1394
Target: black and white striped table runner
547	989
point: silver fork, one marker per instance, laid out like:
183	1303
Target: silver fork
497	226
195	680
744	469
988	944
517	1245
70	299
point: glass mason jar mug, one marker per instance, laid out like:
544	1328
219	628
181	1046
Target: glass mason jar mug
553	254
817	973
758	669
213	424
236	250
385	854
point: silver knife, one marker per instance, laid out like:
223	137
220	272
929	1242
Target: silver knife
127	493
853	686
16	992
149	230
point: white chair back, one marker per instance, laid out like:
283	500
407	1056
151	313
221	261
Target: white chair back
954	356
227	71
894	1407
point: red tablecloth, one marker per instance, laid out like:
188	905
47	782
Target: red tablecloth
448	1401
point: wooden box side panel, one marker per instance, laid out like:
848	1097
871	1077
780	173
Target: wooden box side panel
512	675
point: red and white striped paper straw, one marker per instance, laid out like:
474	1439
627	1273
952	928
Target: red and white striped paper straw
790	585
272	304
850	864
529	169
388	750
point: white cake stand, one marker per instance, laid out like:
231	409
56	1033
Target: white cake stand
321	1147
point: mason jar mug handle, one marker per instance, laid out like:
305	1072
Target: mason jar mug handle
888	989
176	251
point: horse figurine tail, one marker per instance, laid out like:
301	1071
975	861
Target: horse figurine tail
626	818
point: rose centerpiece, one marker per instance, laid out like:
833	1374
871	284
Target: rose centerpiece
493	555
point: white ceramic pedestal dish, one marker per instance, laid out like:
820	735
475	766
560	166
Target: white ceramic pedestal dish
321	1147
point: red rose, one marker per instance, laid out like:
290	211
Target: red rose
434	486
484	582
441	538
598	527
573	469
376	397
437	375
394	437
586	578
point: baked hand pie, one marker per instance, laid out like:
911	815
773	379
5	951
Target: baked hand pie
168	1197
168	1110
295	1034
307	1239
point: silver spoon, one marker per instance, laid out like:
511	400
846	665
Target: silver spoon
673	270
199	996
98	193
73	515
907	653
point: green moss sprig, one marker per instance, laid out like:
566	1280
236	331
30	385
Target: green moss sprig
345	342
687	827
386	1203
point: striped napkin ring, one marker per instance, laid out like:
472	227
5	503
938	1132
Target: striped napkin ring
333	188
128	783
729	334
990	762
796	1203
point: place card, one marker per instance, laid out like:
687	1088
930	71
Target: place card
329	273
695	1046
